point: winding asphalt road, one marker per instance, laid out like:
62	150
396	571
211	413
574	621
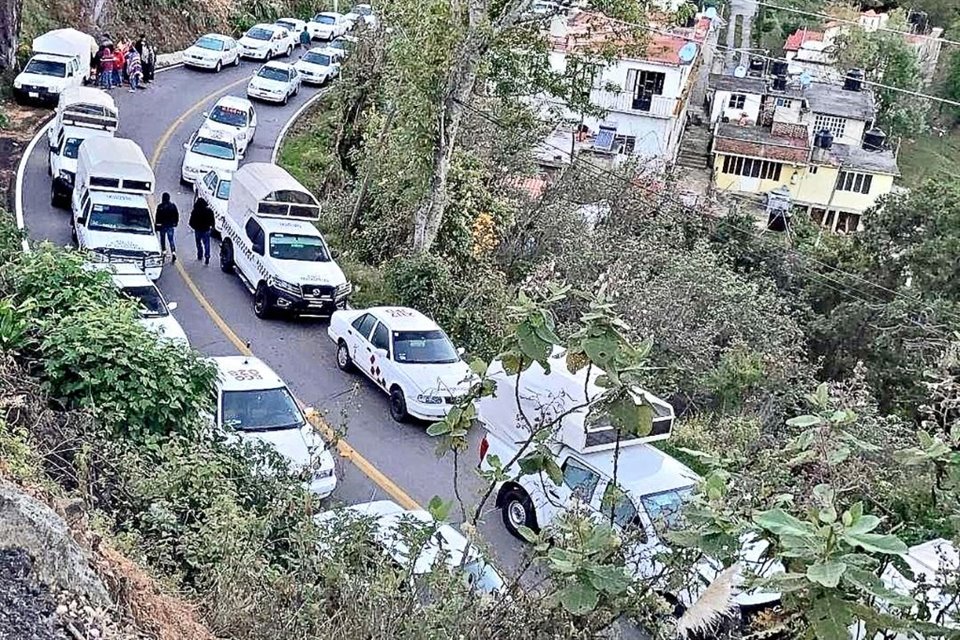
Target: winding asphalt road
213	304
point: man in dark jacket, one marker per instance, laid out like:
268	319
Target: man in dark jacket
201	221
168	217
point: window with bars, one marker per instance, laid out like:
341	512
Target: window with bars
737	100
833	124
855	182
625	145
643	85
752	167
784	102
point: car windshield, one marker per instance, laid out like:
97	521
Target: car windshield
343	45
230	116
109	217
292	246
482	576
618	503
322	19
424	347
46	68
71	148
213	44
260	410
321	59
259	33
148	299
272	73
362	10
664	508
223	190
288	25
213	148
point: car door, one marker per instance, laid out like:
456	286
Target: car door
357	338
380	355
55	150
250	257
294	80
252	119
83	219
580	482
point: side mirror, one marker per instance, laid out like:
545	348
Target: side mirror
205	114
258	248
54	148
82	220
461	351
186	145
172	306
334	254
239	156
380	353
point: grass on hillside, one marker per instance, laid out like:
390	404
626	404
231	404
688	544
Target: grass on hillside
930	156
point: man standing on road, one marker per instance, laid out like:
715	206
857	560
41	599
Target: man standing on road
168	217
305	39
201	221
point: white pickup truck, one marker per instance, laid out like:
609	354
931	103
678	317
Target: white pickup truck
61	59
82	112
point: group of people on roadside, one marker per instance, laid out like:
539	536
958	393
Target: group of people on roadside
201	221
133	63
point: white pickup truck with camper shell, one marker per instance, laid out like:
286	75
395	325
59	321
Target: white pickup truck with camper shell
61	59
83	112
647	493
111	217
269	239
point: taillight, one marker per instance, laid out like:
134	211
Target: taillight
484	445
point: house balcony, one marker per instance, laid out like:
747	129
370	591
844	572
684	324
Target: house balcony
653	106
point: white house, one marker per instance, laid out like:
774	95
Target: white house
644	91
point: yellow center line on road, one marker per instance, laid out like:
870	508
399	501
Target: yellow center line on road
318	422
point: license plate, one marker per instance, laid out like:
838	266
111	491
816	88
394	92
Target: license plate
33	94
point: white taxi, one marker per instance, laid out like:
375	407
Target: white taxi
328	25
319	65
253	403
406	354
362	13
153	309
215	190
212	51
206	151
235	116
293	25
274	82
265	41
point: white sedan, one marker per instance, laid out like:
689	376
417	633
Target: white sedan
154	311
208	150
214	189
362	13
293	25
395	528
328	25
265	41
406	354
319	65
274	82
233	116
254	404
212	51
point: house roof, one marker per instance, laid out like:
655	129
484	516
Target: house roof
758	142
756	86
798	37
831	99
854	157
586	31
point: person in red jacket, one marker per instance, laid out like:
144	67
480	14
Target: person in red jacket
106	68
119	61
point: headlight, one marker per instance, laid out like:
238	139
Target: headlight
66	176
344	289
283	285
99	255
154	260
428	399
17	84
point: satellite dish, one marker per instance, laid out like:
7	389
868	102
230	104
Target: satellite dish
805	79
687	53
710	13
740	72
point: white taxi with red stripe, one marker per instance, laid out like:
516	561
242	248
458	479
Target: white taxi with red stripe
406	354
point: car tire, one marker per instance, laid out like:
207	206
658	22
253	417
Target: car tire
262	302
226	256
398	405
236	61
344	363
296	91
517	511
286	99
55	201
217	68
289	51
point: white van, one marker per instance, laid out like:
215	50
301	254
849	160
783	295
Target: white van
83	112
61	59
269	239
111	216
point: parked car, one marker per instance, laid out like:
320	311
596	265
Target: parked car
154	310
274	82
61	59
234	116
343	43
265	41
328	25
208	150
319	65
362	13
254	404
406	354
293	25
212	51
215	190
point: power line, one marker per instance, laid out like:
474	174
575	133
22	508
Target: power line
847	21
720	47
758	237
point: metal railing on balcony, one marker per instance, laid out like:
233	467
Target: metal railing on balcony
650	105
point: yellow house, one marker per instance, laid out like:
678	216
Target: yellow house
843	181
753	159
